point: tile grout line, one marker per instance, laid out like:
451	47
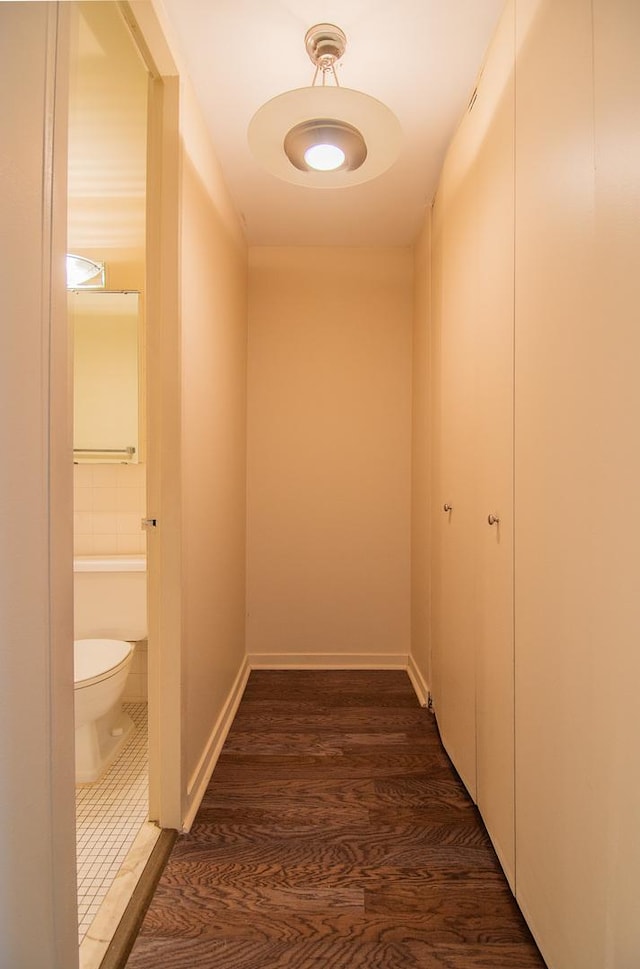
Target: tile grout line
109	815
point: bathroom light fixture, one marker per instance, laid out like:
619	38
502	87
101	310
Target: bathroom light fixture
325	136
325	145
83	273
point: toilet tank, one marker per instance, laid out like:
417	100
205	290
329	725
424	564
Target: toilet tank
110	597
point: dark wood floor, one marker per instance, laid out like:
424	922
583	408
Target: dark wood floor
334	833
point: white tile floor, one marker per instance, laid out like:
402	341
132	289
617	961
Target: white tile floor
109	815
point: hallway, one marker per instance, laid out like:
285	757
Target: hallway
334	833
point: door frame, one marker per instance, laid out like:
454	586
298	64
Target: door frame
167	803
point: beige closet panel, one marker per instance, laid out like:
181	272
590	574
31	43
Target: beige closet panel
472	592
614	447
576	517
454	627
492	276
435	457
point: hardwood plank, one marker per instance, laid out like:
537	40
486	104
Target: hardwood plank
284	817
382	847
248	877
334	832
359	719
325	743
474	957
199	921
248	954
307	766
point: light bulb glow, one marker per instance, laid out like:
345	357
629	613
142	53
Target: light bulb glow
324	158
84	272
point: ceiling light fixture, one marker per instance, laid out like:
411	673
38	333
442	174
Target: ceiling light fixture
325	136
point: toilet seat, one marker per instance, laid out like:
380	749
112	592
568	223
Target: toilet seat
98	659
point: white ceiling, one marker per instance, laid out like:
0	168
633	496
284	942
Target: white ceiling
420	57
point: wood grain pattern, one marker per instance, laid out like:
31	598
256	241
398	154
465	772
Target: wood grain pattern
334	833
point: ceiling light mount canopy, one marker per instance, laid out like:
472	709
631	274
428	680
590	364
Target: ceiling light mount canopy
325	44
325	136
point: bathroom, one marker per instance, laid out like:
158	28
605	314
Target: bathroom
107	228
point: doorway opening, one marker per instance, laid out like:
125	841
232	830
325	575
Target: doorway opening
107	212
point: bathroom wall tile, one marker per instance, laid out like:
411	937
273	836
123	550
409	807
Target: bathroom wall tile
128	523
105	499
110	502
105	545
83	475
83	544
82	499
83	523
105	523
105	475
132	475
130	500
131	544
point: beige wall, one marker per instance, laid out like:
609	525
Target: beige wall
421	463
38	926
329	455
213	440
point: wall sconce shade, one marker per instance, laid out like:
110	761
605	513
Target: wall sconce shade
84	273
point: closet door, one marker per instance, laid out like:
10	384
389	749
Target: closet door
472	582
616	349
578	479
453	566
561	387
492	281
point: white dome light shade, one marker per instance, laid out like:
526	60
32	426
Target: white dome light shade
304	109
325	145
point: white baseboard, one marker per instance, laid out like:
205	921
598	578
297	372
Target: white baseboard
328	661
418	682
202	774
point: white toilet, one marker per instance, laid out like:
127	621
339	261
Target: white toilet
109	616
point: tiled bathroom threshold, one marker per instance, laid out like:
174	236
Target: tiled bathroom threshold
114	841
